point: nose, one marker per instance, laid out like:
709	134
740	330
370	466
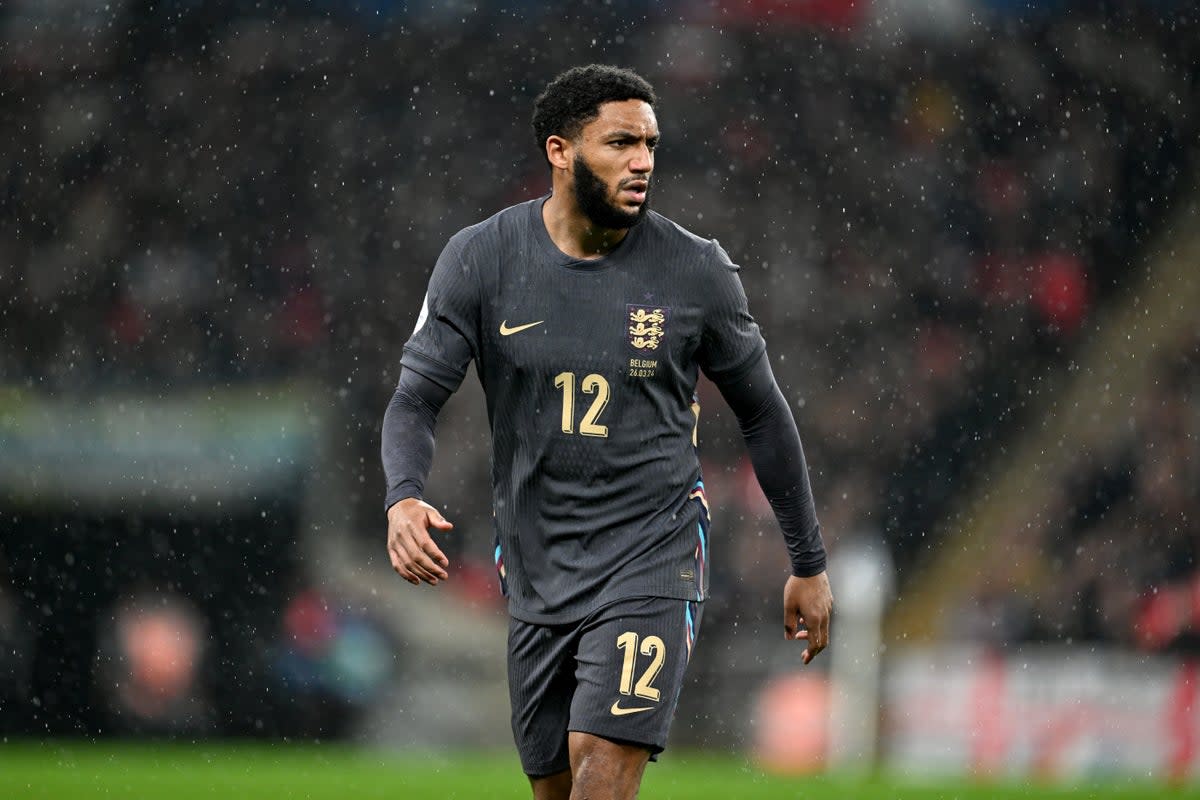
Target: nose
643	160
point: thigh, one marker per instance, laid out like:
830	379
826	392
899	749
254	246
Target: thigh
552	787
541	683
605	770
630	665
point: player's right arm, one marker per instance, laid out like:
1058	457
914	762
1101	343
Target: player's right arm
407	452
433	365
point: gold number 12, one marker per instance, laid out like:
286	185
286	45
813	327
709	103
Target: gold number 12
652	646
592	384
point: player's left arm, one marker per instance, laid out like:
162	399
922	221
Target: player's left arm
773	441
733	354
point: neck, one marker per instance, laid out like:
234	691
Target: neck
575	234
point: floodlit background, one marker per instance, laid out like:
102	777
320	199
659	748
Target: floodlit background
967	229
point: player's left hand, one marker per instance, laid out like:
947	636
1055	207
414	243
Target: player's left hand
807	605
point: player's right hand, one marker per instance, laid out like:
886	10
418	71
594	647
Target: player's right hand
410	547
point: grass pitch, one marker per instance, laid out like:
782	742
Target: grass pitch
53	770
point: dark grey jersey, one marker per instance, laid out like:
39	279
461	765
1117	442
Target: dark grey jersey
589	368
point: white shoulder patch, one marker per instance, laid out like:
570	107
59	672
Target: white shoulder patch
423	315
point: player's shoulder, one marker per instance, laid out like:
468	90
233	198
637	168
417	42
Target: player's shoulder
490	233
704	252
484	229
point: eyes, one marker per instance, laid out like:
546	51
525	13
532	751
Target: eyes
629	141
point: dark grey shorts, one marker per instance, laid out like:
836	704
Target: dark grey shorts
617	674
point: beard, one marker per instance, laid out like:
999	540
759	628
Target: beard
591	195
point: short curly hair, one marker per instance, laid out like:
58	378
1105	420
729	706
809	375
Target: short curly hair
574	97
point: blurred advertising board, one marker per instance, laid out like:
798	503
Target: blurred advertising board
208	446
1044	711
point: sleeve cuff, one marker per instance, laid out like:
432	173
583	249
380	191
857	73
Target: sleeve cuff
401	492
809	568
740	368
432	368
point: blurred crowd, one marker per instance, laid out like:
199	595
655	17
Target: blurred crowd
925	226
1118	546
1128	548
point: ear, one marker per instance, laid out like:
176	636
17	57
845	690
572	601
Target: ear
558	152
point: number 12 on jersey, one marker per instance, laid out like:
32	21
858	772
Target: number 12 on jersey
592	384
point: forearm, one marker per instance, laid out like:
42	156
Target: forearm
775	451
408	426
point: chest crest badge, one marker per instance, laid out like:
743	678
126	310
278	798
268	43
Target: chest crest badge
646	326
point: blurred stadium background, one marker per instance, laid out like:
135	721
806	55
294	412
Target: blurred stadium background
967	227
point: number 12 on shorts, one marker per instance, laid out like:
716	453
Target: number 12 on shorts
651	646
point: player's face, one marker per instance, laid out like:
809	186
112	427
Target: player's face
612	164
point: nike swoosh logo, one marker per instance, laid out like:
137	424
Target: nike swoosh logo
507	331
617	711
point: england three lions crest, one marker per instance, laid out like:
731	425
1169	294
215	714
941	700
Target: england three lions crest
646	326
